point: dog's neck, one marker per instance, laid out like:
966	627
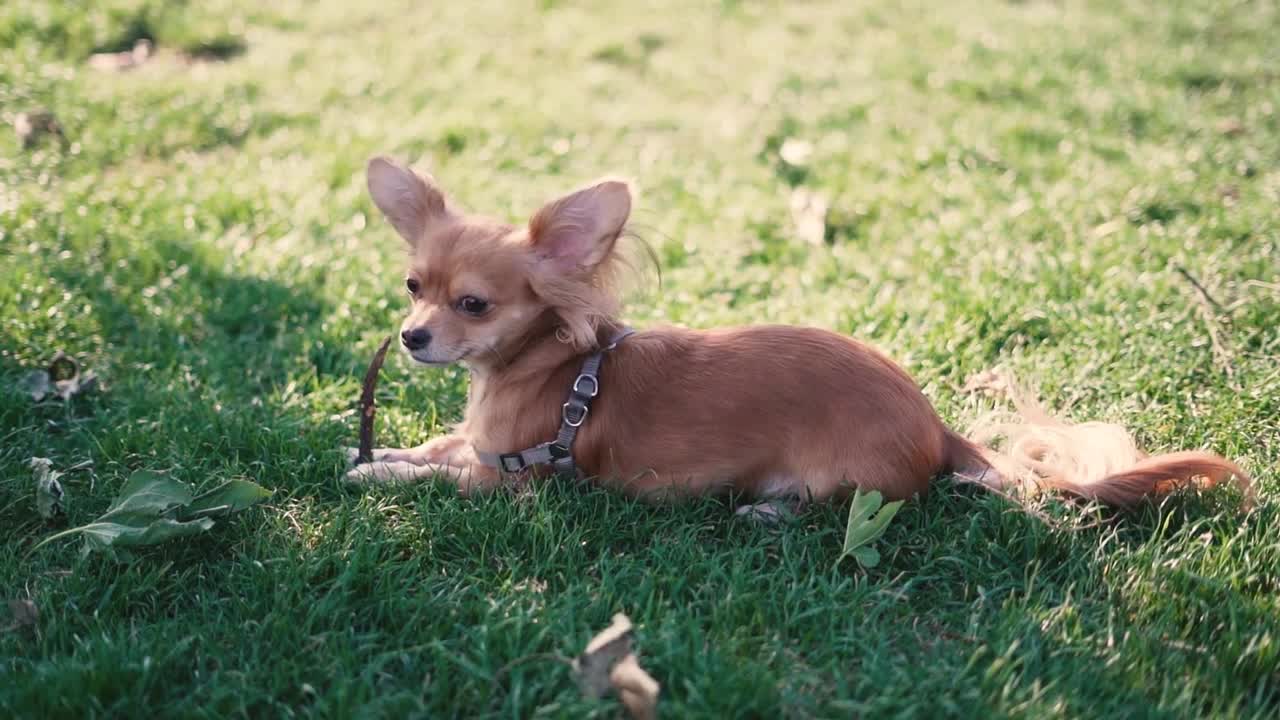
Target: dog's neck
533	360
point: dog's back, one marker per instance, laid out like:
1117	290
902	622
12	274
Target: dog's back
767	410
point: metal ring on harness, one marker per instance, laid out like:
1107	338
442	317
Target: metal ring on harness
564	414
595	386
559	452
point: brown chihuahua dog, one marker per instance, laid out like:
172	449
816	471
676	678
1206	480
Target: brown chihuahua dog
766	412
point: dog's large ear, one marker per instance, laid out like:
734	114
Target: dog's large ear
579	230
409	201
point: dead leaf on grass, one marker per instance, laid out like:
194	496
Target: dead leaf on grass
1229	127
609	664
121	61
637	690
62	378
809	215
25	614
796	152
991	382
33	125
591	668
49	492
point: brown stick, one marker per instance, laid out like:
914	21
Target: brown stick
367	404
1204	292
1221	354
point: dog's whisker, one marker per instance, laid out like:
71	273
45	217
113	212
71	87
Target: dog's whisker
493	350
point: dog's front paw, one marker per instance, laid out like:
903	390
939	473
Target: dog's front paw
382	455
767	513
382	473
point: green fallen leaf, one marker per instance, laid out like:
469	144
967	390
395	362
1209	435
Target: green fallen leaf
863	506
867	556
153	532
231	496
866	526
153	508
150	495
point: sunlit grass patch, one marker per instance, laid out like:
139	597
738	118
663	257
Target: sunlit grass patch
1013	184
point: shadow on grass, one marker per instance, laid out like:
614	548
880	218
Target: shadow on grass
209	377
161	25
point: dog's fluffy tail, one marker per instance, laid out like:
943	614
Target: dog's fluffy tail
1029	452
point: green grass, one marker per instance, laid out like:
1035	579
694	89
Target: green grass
1010	184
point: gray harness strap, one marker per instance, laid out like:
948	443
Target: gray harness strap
559	452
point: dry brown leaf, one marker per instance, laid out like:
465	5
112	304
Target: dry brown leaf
796	152
609	664
1230	127
636	688
989	381
1108	228
33	125
62	378
591	668
49	492
25	614
809	215
119	61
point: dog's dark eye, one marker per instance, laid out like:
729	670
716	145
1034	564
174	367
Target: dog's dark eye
412	286
472	305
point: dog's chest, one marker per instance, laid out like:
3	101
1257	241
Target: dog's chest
503	419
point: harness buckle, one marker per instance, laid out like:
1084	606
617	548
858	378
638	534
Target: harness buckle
595	386
571	421
512	462
573	413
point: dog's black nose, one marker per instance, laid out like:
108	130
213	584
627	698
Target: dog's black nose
416	339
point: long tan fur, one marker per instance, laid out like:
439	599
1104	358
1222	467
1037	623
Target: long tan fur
1030	451
764	411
